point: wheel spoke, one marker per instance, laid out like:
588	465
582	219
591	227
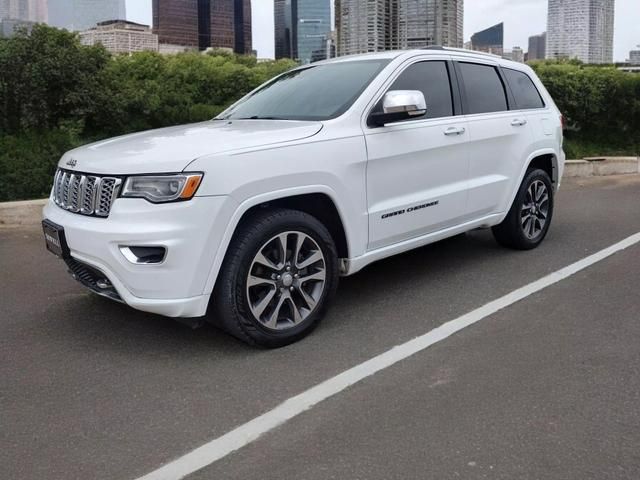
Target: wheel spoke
273	319
262	260
254	281
524	219
282	244
315	256
532	227
297	317
543	200
262	305
319	275
309	300
299	242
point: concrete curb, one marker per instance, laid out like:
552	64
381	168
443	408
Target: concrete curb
29	212
15	214
602	166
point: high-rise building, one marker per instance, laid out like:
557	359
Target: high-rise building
24	10
634	57
204	24
421	23
9	26
176	22
14	9
76	15
490	40
121	36
516	54
537	47
377	25
302	29
39	11
581	29
363	26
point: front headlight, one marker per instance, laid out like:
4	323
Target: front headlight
162	188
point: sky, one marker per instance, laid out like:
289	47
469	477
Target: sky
522	18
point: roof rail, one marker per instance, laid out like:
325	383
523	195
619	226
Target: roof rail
462	50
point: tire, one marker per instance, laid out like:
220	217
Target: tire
527	223
244	305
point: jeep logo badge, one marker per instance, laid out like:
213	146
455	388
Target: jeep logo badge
72	162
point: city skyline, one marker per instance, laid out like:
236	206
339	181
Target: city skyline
522	19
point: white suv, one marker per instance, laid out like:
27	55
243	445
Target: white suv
250	218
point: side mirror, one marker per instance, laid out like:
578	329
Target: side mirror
398	105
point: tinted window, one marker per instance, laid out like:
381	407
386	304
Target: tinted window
318	92
432	79
524	91
483	88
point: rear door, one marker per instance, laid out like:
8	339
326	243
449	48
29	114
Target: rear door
499	138
417	169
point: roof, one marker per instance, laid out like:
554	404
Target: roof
393	54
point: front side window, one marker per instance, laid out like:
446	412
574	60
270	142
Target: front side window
524	91
484	90
319	92
432	79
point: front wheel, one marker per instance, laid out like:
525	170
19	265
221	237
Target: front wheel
527	223
277	279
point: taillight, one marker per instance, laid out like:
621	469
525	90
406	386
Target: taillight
563	122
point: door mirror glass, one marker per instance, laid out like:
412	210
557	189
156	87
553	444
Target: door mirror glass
399	105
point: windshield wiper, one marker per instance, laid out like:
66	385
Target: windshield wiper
258	117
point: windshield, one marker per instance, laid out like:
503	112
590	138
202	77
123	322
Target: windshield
320	92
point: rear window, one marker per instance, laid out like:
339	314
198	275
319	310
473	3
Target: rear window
525	92
483	88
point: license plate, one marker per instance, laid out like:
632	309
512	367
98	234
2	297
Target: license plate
54	239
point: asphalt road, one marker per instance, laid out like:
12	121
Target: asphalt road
546	388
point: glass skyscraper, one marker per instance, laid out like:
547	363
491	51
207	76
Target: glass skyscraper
204	23
302	28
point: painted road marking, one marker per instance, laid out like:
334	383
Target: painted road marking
249	432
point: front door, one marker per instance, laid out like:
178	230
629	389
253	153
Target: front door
417	173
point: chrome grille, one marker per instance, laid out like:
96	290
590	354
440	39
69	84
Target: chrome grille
85	194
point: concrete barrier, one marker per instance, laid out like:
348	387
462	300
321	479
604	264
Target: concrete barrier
14	214
602	166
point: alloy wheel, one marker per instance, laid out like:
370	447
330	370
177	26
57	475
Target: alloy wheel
286	280
535	210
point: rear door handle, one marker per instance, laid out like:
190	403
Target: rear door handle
518	122
454	131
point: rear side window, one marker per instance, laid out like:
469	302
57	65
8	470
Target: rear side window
525	92
483	88
432	79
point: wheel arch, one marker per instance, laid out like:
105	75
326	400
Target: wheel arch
547	160
319	201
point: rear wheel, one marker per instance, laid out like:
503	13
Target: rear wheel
527	223
279	274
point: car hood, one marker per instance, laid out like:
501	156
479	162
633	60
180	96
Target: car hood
172	149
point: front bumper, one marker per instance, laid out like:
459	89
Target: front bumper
175	287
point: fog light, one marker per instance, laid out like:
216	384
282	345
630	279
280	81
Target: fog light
144	255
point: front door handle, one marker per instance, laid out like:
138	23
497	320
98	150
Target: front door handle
454	131
518	122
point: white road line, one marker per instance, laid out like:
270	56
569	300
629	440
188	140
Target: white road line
252	430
